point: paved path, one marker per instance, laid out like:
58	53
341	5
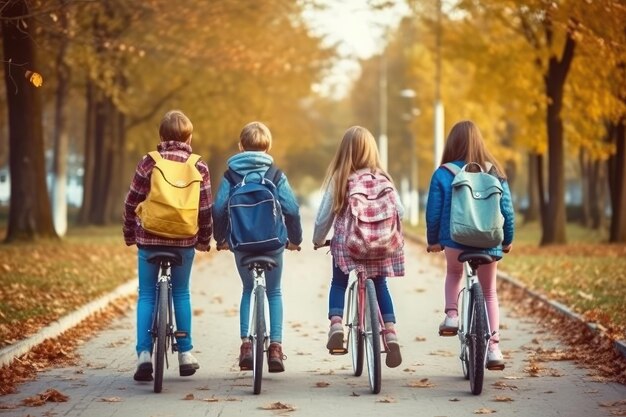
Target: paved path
428	383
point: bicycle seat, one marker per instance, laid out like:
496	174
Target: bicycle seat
172	257
267	262
477	258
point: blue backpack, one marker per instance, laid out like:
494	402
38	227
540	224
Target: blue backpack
255	219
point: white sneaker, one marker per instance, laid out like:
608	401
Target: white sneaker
187	364
449	326
495	360
144	367
335	338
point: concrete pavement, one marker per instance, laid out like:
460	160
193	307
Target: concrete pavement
428	383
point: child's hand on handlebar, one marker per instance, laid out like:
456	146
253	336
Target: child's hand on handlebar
434	248
291	246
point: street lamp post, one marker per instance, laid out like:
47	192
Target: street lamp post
414	202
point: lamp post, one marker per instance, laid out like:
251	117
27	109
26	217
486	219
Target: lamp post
414	202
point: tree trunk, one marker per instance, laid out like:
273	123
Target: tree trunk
532	211
30	216
89	155
60	139
554	79
587	186
617	183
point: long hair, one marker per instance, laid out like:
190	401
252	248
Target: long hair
466	143
357	150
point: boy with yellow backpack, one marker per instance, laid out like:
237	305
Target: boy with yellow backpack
168	206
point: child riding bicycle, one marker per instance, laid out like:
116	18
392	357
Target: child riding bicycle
175	132
464	145
254	161
357	154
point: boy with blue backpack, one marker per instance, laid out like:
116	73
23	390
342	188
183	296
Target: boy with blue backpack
256	211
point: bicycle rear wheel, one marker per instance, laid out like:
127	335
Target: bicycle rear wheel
462	333
161	335
258	337
372	336
355	336
477	341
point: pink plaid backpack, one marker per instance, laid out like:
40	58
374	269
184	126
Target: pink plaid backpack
373	228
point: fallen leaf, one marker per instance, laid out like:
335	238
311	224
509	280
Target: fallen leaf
189	397
387	400
278	406
50	395
422	383
484	411
322	384
111	399
503	399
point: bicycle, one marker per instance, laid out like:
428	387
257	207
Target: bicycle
474	332
257	330
365	328
162	329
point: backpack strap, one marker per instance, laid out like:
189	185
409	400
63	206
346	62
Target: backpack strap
193	159
273	174
233	177
155	155
451	167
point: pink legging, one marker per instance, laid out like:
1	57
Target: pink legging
487	279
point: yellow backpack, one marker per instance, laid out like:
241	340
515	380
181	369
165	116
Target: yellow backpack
172	204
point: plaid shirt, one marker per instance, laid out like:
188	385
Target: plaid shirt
139	187
392	266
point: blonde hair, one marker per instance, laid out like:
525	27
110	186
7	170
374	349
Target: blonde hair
466	143
255	136
357	150
175	126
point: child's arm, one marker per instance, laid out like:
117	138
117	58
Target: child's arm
291	210
220	217
139	188
205	222
325	218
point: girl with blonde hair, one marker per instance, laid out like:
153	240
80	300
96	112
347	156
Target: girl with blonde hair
356	154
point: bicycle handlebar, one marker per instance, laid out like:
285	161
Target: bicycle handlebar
326	243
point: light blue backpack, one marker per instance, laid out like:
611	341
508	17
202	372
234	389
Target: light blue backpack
475	216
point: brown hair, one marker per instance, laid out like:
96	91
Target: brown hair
255	136
357	150
465	143
175	126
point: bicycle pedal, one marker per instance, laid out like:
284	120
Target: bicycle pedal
448	332
341	351
499	367
180	334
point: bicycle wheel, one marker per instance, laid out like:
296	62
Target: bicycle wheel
355	336
464	356
477	341
372	336
161	336
258	337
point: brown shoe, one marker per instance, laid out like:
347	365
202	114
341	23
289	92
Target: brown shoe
245	356
275	358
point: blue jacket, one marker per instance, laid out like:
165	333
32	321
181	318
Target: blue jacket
438	212
244	163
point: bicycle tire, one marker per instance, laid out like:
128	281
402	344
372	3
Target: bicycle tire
477	343
355	335
161	336
372	336
462	333
258	335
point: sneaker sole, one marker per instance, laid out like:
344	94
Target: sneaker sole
144	372
335	342
394	358
495	366
448	331
275	367
246	364
188	370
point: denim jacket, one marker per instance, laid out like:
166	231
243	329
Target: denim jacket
244	163
438	212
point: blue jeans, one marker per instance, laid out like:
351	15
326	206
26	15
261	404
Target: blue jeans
274	295
337	296
147	295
